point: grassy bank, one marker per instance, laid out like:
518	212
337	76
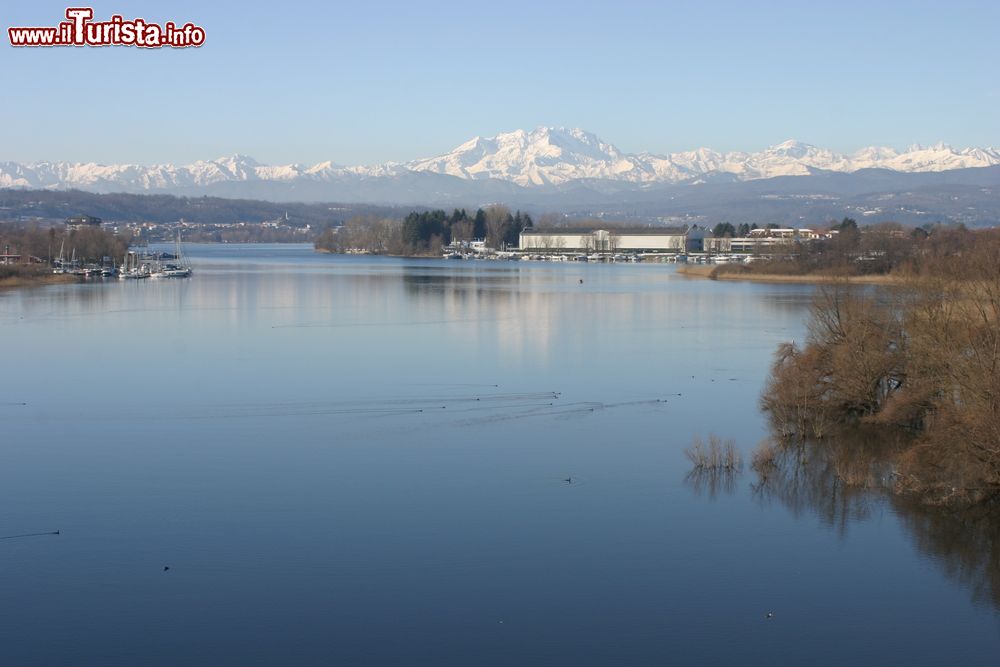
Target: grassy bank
745	272
20	275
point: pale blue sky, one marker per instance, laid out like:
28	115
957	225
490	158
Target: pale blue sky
361	83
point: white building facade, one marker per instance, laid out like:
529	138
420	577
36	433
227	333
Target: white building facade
759	241
631	240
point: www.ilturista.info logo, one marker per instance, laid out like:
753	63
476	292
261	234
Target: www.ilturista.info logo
80	30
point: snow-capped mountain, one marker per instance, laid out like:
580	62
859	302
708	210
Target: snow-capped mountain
542	157
555	156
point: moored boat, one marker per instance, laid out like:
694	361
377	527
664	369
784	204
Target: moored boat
177	268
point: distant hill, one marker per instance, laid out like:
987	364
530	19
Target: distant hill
559	170
18	204
545	156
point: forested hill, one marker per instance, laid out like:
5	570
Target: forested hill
26	205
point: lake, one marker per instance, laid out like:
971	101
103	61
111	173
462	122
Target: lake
362	460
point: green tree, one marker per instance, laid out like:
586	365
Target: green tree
479	224
724	229
422	232
847	224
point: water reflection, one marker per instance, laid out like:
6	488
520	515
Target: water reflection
846	480
712	482
329	451
966	545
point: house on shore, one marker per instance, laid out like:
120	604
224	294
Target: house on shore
80	221
759	241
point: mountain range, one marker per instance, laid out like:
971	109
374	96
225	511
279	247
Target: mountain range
574	170
542	157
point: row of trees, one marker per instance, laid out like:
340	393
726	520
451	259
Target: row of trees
727	229
248	233
426	232
60	204
88	244
368	233
878	249
430	230
926	362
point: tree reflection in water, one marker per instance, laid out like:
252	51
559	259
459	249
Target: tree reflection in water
711	482
844	478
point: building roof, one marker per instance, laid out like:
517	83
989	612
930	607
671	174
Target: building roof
617	231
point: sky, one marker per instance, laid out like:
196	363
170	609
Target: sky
369	82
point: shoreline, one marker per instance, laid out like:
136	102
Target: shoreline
712	272
325	251
37	280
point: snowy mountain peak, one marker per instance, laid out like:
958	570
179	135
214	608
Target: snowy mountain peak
237	158
792	144
793	149
874	154
544	156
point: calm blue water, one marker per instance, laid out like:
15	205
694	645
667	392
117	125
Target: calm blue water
349	460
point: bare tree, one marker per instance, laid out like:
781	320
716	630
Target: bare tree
388	236
925	363
462	231
497	220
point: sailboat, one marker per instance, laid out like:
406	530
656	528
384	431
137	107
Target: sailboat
60	263
178	268
132	269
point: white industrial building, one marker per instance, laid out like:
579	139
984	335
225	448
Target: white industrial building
623	239
759	241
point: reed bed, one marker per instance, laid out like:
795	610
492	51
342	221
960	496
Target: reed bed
714	454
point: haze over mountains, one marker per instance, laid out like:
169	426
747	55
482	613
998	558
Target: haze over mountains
556	168
544	156
548	156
